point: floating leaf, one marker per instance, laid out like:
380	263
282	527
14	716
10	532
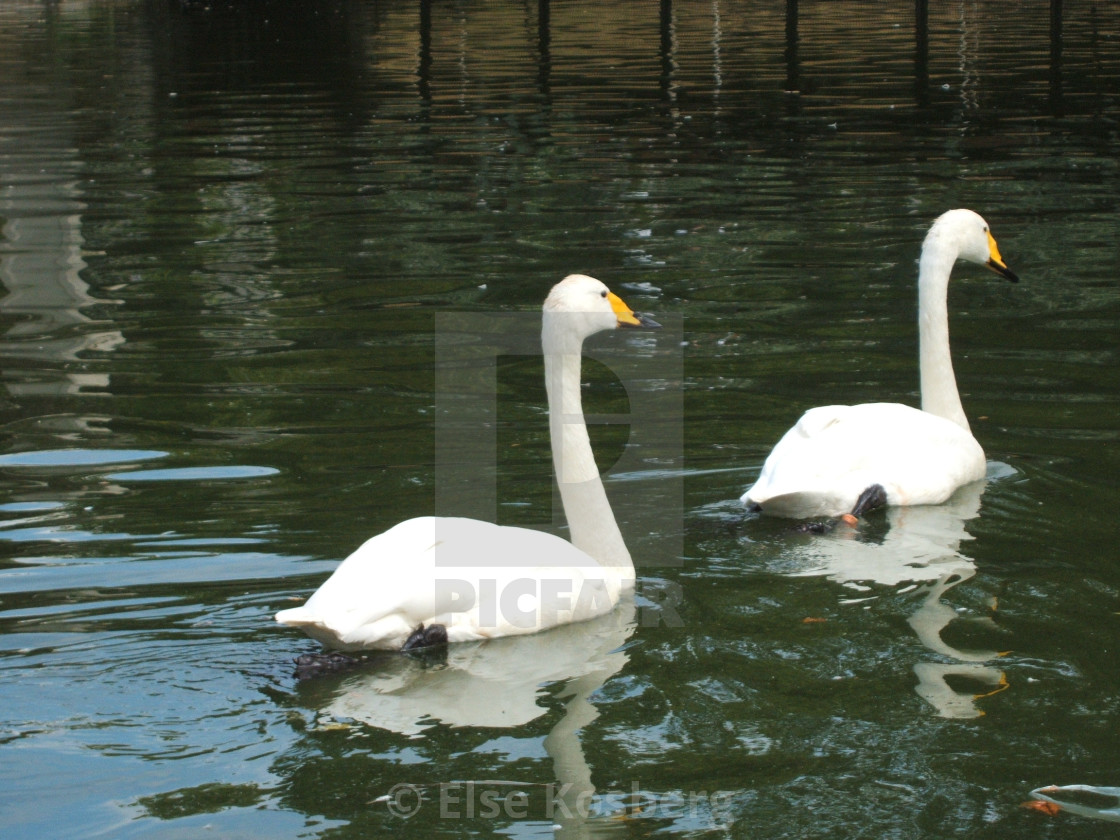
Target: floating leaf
1051	809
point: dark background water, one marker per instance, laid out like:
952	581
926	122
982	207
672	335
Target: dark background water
228	231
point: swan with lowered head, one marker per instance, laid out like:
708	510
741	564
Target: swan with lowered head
843	460
432	579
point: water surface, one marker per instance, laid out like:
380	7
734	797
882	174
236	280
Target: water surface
228	232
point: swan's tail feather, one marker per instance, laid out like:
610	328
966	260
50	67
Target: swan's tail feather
297	617
805	504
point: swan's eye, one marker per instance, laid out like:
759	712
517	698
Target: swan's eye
603	293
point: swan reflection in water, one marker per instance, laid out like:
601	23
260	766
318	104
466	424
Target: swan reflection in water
921	547
497	684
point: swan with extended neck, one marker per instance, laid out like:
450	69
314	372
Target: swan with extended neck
847	459
432	579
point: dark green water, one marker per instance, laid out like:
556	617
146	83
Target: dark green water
228	234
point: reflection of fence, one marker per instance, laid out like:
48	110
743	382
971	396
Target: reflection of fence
668	31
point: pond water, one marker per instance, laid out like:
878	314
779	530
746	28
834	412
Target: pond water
229	232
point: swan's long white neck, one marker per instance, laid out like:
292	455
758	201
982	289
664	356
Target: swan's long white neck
939	384
593	528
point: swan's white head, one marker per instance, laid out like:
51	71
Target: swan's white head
586	306
965	235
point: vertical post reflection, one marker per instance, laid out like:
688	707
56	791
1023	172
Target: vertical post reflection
1057	105
665	22
544	48
793	73
424	64
921	52
717	54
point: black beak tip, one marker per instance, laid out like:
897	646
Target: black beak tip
644	322
1004	272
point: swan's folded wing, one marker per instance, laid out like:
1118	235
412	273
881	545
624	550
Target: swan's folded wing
834	453
802	465
448	570
374	582
816	421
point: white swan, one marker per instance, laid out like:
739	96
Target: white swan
434	579
840	459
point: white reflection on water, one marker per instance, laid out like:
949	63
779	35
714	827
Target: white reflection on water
923	547
499	684
41	258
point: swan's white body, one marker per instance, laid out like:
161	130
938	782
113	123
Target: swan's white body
919	457
477	579
835	452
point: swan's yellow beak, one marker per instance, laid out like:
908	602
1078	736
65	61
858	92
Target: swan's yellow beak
996	263
627	317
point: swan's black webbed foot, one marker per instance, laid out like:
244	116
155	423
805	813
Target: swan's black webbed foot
434	635
824	527
311	665
873	497
754	507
